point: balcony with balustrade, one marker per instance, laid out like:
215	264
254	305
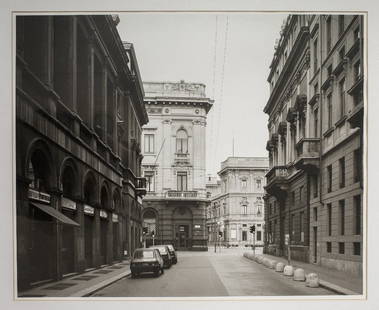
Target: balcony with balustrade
182	158
277	183
308	154
184	195
140	184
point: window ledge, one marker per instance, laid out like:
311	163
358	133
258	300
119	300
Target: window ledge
328	132
341	121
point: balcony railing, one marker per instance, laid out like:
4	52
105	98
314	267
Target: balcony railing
308	153
182	158
140	184
181	194
36	195
277	173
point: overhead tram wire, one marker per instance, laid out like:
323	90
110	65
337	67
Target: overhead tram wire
221	88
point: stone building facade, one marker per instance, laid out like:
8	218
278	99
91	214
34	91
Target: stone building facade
79	113
236	202
315	185
174	164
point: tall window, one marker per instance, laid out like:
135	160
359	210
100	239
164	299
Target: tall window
149	143
315	59
149	175
258	183
244	235
315	123
244	209
328	34
182	181
181	142
259	235
329	176
342	172
302	226
329	208
341	24
330	110
342	92
315	186
357	71
301	193
244	184
341	205
357	165
357	214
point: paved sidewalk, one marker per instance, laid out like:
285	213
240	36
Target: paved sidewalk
332	279
81	285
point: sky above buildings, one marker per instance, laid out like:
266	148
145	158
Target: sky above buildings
229	53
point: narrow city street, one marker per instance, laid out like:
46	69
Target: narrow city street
210	274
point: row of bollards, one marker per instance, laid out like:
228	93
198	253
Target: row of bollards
297	274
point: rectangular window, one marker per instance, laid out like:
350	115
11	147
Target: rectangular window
302	226
341	24
329	247
329	178
315	214
342	172
301	193
259	235
315	123
149	175
342	92
330	110
315	58
356	248
357	214
244	209
258	183
357	165
182	181
292	226
341	247
244	184
357	71
244	235
329	208
315	186
328	34
341	206
149	143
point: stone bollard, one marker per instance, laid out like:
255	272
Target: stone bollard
266	262
273	264
288	271
279	267
259	259
312	280
299	275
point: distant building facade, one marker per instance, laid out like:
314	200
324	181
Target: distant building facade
79	113
315	186
174	164
236	201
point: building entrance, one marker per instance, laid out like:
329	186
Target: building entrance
183	237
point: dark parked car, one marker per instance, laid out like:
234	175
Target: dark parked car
146	260
174	257
165	253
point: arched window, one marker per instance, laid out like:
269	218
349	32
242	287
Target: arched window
38	172
181	142
68	182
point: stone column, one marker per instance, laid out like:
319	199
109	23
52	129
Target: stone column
55	202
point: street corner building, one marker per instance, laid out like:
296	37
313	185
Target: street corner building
174	164
236	202
79	113
315	185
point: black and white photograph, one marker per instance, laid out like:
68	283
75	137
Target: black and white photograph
189	154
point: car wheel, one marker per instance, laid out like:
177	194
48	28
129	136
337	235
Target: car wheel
162	270
133	275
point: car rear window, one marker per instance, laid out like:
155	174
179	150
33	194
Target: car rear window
144	254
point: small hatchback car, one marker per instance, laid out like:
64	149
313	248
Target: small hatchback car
165	253
146	260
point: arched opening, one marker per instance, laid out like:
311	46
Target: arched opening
68	182
104	201
116	205
89	195
181	142
150	227
42	233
